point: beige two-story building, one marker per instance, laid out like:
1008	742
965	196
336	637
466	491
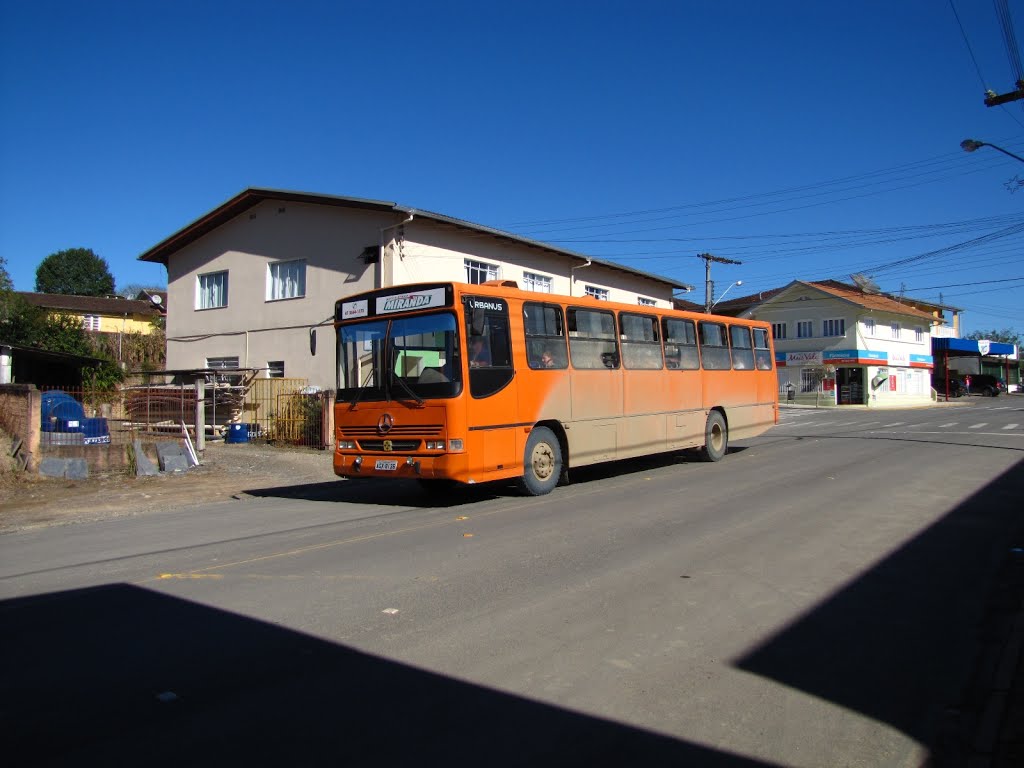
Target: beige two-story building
247	281
838	344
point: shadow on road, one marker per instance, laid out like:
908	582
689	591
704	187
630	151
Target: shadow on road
120	675
409	493
908	632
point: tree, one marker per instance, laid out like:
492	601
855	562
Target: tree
1007	336
6	284
74	272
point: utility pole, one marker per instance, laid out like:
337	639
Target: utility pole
709	286
993	99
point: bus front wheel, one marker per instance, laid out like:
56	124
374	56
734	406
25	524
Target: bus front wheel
716	438
542	462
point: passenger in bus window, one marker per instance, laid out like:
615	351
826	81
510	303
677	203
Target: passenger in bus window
479	355
547	360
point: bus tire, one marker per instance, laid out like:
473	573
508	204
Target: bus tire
716	438
542	462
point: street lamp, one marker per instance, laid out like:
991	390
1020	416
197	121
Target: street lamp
970	145
738	282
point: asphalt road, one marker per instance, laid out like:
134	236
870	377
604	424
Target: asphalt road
812	600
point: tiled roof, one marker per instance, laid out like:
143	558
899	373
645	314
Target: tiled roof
871	300
94	305
851	293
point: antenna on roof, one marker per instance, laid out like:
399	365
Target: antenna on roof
865	283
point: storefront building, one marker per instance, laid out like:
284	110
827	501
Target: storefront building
836	344
959	358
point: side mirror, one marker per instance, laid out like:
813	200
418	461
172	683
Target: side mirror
312	342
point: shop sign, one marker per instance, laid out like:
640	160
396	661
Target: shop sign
803	358
899	358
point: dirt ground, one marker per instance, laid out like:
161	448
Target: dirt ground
226	471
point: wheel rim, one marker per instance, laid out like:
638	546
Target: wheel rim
717	438
543	461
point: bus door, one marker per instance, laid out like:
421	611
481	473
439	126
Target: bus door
597	404
684	381
495	441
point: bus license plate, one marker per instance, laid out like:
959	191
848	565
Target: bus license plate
386	464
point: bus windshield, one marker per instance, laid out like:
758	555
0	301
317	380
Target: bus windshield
410	358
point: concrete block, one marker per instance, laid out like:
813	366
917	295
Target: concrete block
174	463
77	469
143	466
72	469
53	467
164	449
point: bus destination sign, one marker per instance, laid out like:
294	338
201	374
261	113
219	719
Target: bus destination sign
404	302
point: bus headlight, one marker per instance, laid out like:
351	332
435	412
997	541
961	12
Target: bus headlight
455	445
435	445
346	445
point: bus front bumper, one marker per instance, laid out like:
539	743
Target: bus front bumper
435	467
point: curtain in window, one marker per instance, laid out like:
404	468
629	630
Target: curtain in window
287	280
213	290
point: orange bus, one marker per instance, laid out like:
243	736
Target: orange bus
456	383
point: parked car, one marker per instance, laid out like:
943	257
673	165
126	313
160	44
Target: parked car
984	384
956	386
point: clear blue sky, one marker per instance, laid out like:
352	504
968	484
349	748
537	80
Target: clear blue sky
807	139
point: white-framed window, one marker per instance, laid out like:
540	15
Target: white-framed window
643	301
286	280
222	362
894	330
869	326
778	331
478	272
536	283
833	327
810	379
212	290
91	322
919	335
597	293
275	369
804	329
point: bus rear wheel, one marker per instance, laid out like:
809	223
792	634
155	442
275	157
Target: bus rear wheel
542	462
716	438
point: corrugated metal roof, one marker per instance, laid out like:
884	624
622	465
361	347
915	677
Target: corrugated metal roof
248	198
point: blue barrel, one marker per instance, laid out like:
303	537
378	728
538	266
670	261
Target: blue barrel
59	411
237	433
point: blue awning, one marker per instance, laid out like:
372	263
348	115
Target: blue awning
972	347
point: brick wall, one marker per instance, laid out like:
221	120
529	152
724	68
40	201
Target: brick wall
20	417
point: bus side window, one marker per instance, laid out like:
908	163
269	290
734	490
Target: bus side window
681	344
594	345
714	346
641	345
762	351
545	335
742	349
488	345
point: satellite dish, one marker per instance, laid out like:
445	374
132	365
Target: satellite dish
865	283
157	299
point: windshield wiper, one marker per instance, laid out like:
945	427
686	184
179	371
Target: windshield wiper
405	386
362	388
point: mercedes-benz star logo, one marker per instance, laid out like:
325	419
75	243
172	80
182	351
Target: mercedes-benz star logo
386	422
